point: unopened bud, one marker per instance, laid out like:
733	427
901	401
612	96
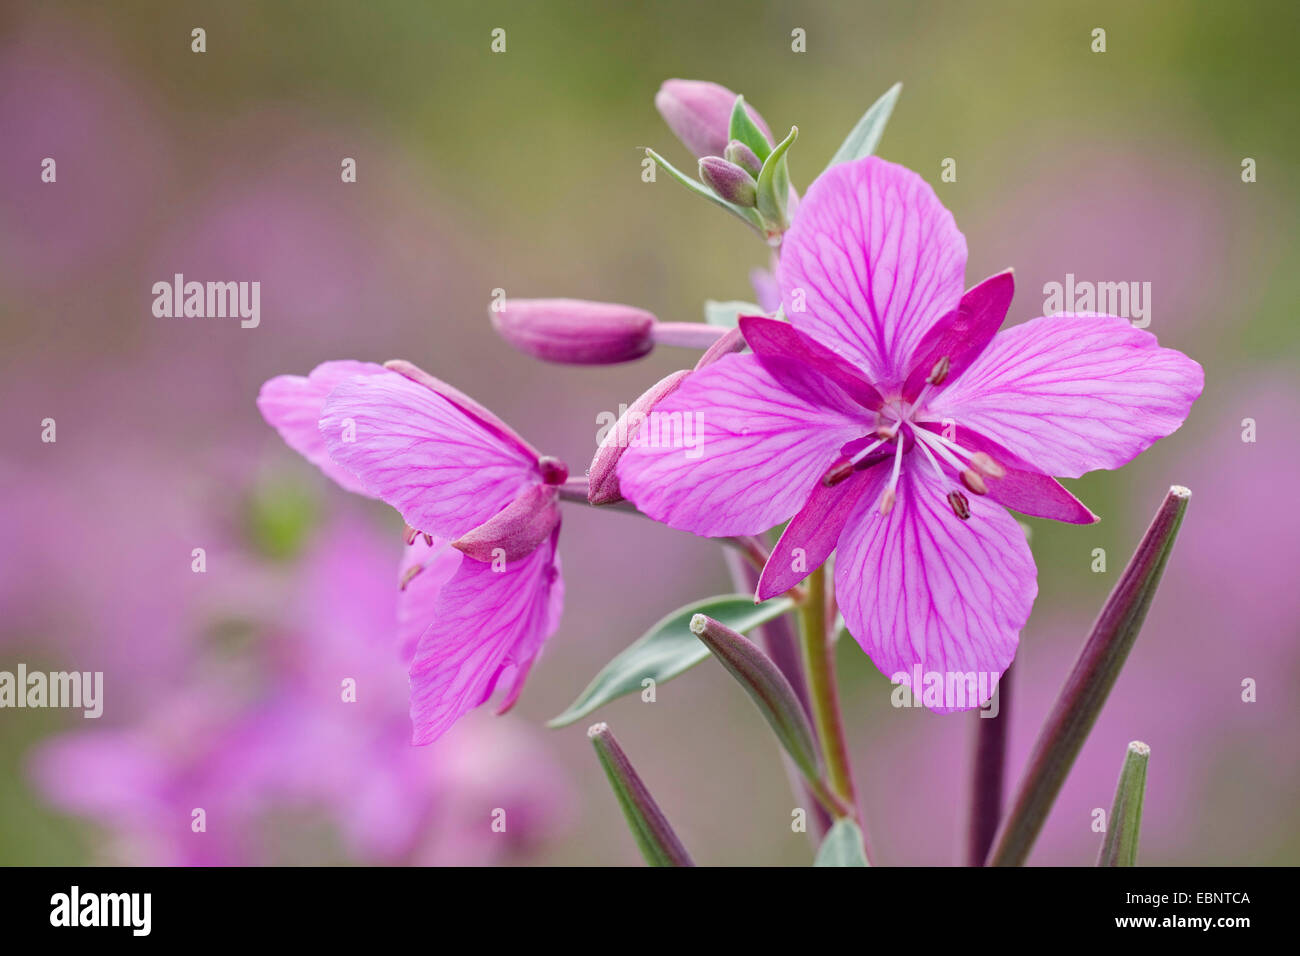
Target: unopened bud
574	331
744	157
699	114
729	181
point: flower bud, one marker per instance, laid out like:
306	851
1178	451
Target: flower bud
699	114
729	181
744	157
575	332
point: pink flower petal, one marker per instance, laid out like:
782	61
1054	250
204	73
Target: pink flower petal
760	447
919	587
810	536
291	404
423	571
875	260
488	627
964	333
442	468
773	339
1072	393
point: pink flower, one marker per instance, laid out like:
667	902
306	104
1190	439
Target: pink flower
891	422
483	591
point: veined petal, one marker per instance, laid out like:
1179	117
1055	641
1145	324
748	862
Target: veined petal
292	404
423	571
1023	488
488	627
875	260
441	467
961	335
1072	393
757	447
920	587
811	535
773	339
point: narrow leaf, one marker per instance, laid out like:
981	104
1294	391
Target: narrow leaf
865	136
842	846
1120	848
748	216
746	130
654	836
669	648
725	314
1085	691
774	183
767	687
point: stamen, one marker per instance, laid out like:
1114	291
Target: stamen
929	455
837	473
866	451
411	572
941	446
428	538
890	496
960	504
409	534
971	479
940	372
987	466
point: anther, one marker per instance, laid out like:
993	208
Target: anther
973	482
411	572
987	466
960	505
837	473
940	371
409	534
887	501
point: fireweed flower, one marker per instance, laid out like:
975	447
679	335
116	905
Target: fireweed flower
481	588
891	422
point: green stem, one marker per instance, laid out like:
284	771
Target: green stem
819	662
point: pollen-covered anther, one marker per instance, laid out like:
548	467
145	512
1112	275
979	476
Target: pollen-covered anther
960	504
409	534
939	373
973	482
986	466
837	473
887	501
410	573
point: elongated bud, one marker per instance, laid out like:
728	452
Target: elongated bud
699	113
729	181
574	331
1120	846
602	476
744	157
1089	684
766	686
516	530
650	828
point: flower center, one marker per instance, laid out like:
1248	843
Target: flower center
897	430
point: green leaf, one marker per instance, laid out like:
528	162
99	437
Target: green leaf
726	314
774	184
842	846
746	130
865	136
748	216
668	649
